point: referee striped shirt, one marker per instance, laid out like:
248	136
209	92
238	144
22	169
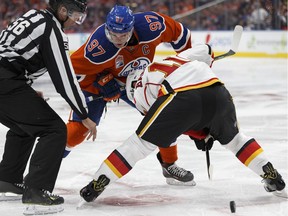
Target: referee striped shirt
34	44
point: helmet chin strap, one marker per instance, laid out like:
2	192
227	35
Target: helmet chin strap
61	13
124	45
65	20
62	22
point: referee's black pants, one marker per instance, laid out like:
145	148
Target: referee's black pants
29	117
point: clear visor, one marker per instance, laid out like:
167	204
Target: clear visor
118	39
77	17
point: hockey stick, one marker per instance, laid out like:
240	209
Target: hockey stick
208	162
237	33
93	98
209	165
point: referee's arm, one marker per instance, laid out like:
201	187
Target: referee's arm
57	61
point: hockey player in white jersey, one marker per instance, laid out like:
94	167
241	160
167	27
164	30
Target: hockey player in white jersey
178	95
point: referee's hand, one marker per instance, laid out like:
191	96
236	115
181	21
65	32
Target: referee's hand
92	130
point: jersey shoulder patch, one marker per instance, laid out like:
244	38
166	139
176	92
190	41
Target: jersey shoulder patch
98	48
149	26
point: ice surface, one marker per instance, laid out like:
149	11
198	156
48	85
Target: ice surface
259	89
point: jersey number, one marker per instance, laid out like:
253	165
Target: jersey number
153	25
18	26
166	68
95	44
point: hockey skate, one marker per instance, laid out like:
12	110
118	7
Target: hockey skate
40	202
90	192
10	191
273	181
176	175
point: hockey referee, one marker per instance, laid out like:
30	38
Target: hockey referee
32	45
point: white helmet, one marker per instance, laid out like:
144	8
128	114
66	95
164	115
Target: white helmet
131	81
200	52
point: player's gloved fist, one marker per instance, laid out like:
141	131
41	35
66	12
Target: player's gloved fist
204	143
108	87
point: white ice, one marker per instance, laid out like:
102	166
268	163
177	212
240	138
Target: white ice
259	88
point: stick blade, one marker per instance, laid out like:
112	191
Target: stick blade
210	172
236	37
237	33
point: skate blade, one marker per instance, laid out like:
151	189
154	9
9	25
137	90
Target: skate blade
10	196
80	204
282	193
42	209
172	181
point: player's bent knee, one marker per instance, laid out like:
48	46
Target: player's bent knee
237	142
75	133
135	149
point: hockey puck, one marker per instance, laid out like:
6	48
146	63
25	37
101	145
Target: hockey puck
232	206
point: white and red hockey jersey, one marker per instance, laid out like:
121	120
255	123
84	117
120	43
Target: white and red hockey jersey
181	74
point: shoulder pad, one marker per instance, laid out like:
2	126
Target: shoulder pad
98	48
149	26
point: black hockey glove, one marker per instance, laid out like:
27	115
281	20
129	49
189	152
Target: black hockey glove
201	144
108	87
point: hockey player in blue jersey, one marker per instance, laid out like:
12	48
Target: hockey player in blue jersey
126	42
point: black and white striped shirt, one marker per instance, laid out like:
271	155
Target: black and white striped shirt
34	44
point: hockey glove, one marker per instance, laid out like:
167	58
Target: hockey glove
108	87
201	144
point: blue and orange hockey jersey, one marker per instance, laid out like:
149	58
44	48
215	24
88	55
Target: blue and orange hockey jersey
98	54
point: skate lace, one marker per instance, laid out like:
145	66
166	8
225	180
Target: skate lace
19	185
52	196
178	171
100	184
270	173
